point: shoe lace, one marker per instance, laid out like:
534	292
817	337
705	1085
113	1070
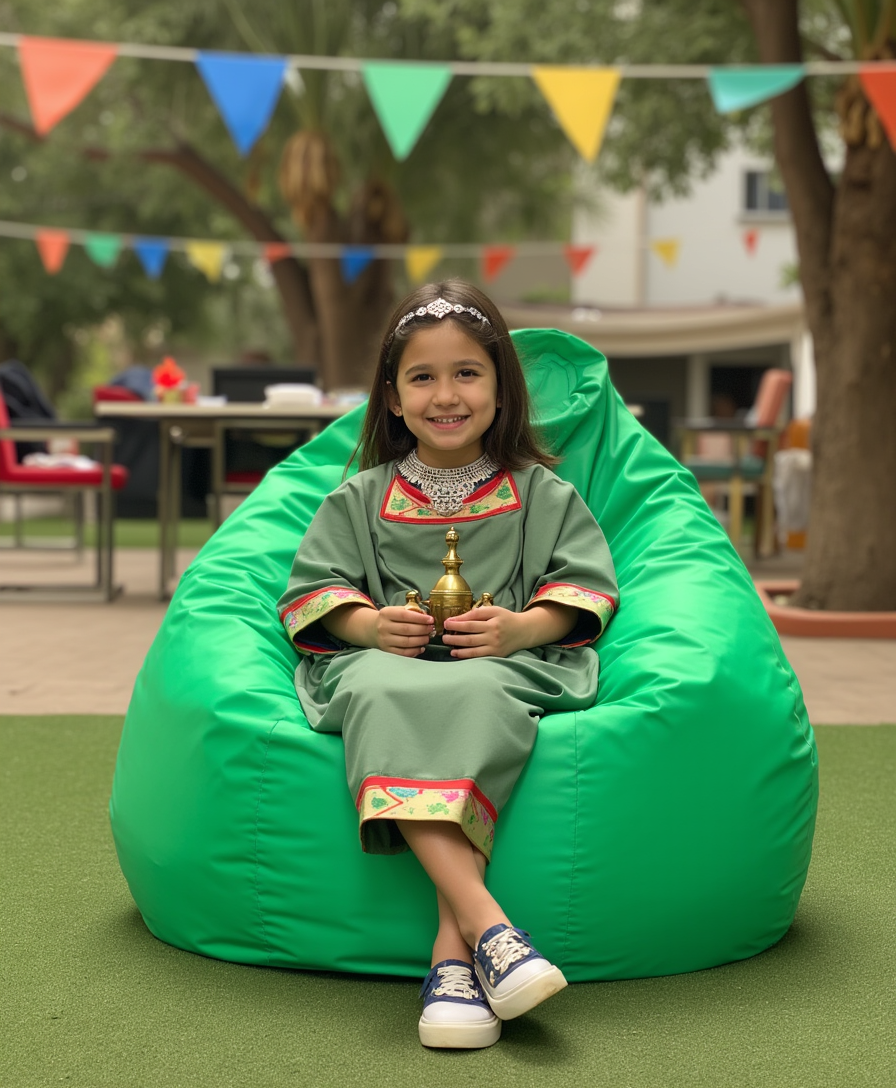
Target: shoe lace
504	949
456	981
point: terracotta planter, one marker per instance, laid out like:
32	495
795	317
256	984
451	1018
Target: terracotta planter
809	623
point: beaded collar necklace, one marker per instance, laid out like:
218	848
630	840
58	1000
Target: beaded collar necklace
447	488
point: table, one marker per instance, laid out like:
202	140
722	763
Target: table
205	425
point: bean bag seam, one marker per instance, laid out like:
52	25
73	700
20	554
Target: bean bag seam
575	834
261	785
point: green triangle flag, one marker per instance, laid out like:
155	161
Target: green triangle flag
739	88
405	97
103	249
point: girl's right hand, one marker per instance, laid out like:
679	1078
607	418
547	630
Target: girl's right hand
402	631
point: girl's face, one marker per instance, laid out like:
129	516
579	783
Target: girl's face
446	391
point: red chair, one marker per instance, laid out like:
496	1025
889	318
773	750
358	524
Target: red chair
17	479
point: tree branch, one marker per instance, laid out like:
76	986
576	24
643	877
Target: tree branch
809	188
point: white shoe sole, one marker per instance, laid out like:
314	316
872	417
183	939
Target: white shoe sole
514	1001
473	1036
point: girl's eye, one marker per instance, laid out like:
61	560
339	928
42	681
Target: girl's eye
468	373
420	378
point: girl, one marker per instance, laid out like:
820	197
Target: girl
437	729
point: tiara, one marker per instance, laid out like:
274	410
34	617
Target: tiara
438	308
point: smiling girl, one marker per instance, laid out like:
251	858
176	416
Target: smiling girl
438	729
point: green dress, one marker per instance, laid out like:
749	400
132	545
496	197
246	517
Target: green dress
433	737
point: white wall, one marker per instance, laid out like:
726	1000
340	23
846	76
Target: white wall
713	263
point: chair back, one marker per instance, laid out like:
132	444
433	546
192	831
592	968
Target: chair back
769	404
8	459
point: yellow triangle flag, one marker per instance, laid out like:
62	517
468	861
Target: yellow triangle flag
208	257
667	250
420	260
582	99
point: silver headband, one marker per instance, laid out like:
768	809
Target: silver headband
438	308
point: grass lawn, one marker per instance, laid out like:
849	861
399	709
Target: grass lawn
129	533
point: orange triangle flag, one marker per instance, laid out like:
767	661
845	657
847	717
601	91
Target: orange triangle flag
494	258
52	245
582	99
277	251
578	256
751	240
58	74
879	84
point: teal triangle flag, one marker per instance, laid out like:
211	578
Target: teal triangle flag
103	249
405	97
738	88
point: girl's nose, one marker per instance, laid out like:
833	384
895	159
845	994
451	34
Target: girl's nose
445	393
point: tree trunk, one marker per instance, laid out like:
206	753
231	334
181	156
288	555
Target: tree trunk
847	249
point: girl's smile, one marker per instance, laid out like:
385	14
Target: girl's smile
446	391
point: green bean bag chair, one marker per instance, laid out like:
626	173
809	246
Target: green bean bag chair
667	829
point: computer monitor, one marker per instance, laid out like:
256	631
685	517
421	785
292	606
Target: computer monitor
246	384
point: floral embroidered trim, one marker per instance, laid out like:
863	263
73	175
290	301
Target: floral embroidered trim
460	802
310	608
597	604
404	502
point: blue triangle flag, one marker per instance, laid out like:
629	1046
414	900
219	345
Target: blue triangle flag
245	89
354	260
738	88
153	252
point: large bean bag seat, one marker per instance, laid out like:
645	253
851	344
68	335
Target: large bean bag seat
666	829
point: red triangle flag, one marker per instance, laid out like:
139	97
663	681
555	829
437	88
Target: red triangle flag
52	245
277	251
494	258
879	84
751	240
58	74
578	256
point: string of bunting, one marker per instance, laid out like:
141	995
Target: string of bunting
59	73
210	256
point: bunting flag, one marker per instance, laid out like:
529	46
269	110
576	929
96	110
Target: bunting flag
405	97
420	261
245	89
494	258
751	240
879	85
667	249
58	74
103	249
582	100
277	251
52	245
354	260
208	257
738	88
152	253
578	256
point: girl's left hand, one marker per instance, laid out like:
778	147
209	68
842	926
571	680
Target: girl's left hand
485	632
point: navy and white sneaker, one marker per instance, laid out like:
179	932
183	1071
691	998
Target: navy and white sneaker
513	974
455	1012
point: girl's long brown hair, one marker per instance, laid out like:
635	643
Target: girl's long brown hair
510	440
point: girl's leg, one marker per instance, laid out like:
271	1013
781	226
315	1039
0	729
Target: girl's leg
457	869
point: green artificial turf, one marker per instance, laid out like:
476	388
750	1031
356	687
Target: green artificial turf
88	997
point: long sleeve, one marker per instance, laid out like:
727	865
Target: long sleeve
564	542
327	572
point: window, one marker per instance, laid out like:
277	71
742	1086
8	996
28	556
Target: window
764	194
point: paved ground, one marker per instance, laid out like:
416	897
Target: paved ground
83	658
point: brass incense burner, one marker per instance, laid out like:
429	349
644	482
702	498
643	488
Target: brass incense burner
450	596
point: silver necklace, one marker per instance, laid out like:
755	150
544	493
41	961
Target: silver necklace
447	488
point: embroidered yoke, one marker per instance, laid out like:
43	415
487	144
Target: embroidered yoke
433	738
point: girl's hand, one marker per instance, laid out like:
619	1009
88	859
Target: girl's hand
402	631
486	632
